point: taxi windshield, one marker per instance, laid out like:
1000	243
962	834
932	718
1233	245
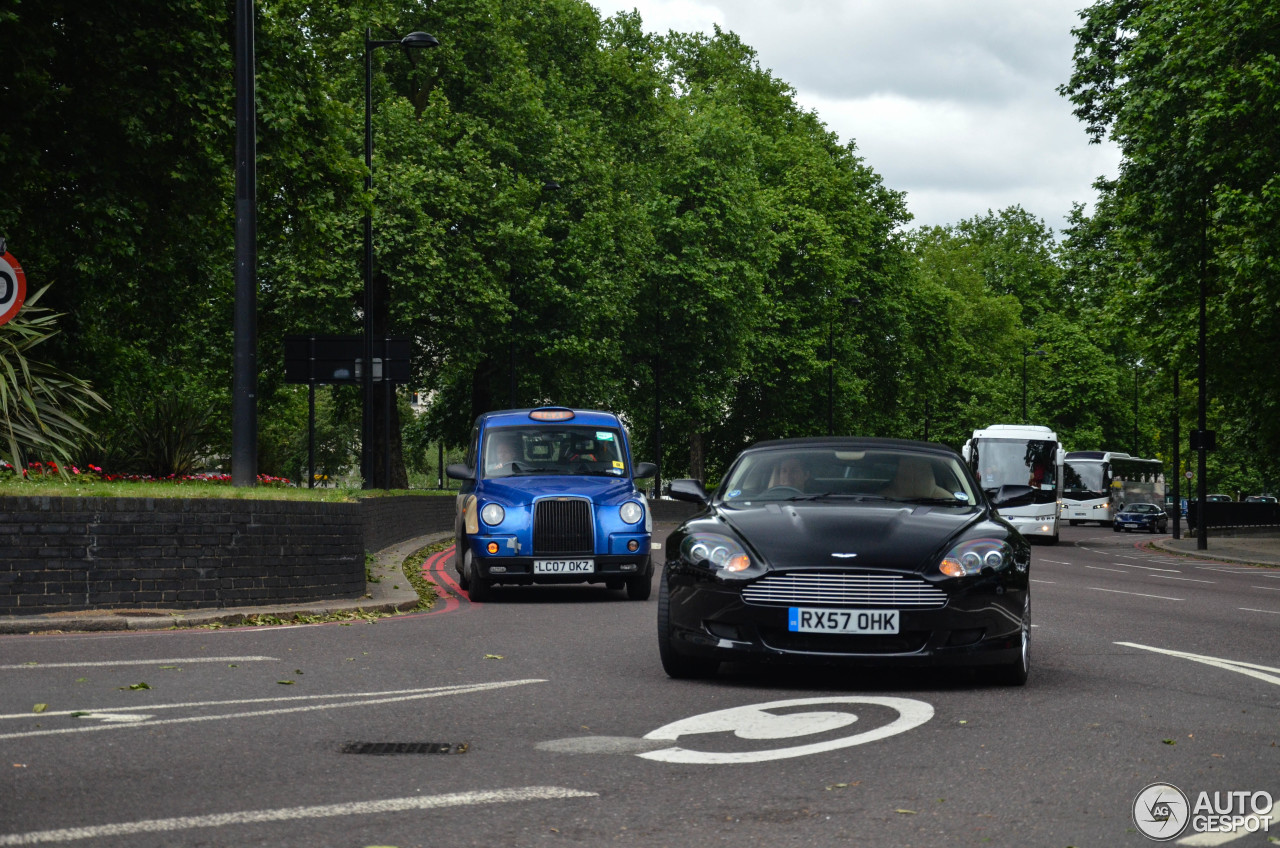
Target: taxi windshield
552	449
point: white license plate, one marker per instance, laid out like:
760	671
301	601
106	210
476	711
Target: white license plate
812	620
564	566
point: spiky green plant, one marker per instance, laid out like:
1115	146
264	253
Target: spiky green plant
42	408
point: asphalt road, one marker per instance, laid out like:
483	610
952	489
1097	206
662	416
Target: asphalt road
523	722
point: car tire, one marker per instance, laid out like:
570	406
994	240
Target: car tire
677	665
478	589
640	587
1073	522
459	565
1015	673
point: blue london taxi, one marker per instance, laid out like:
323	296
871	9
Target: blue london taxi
549	496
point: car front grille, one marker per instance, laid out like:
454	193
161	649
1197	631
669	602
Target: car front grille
563	526
892	591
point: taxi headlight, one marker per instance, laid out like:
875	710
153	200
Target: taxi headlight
631	512
969	558
492	514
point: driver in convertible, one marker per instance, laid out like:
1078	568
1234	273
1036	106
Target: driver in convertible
792	473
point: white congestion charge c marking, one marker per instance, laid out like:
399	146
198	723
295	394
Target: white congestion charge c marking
753	722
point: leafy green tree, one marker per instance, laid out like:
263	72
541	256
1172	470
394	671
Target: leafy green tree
1185	90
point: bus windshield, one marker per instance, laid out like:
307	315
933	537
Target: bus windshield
1084	478
1002	462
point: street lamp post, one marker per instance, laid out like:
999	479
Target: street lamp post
417	40
1025	354
244	400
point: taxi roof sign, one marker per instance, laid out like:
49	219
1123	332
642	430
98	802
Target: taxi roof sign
551	413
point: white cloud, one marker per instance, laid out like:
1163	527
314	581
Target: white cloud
953	102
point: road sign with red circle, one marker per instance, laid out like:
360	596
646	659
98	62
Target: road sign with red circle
13	287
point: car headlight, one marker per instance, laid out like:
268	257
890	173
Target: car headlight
492	514
715	551
631	512
969	558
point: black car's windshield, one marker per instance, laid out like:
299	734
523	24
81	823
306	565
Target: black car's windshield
552	449
814	473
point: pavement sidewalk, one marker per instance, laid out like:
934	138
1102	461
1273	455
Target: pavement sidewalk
389	592
1250	548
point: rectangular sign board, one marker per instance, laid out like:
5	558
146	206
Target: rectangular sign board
340	359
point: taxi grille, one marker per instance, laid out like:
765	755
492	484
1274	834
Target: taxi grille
895	591
563	526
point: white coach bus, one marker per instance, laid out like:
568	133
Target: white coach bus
1098	483
1021	455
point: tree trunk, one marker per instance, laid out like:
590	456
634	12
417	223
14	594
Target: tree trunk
697	458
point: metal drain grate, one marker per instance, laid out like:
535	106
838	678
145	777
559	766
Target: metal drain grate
405	748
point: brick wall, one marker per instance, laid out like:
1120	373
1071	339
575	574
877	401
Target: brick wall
63	554
395	519
126	553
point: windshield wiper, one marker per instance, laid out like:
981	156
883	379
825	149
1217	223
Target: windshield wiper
932	501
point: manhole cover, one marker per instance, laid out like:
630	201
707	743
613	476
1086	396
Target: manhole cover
405	747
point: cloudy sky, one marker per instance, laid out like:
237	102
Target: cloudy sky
952	101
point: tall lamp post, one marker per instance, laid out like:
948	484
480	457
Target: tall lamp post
417	40
244	400
846	303
1025	354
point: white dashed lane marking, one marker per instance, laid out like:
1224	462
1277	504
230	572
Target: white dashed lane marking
36	666
1139	594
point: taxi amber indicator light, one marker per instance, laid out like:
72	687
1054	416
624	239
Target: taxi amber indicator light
551	414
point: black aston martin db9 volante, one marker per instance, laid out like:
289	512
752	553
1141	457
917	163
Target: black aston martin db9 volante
855	551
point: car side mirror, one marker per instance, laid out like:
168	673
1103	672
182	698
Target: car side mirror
458	471
689	490
1013	495
643	470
